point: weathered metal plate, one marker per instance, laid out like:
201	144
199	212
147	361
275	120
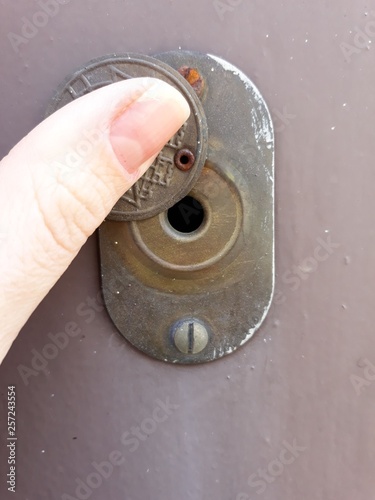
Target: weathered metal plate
197	293
163	184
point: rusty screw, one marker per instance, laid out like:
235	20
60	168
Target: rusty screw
195	79
184	159
190	336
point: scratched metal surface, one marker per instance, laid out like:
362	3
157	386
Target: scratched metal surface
306	378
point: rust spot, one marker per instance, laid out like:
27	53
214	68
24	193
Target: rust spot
195	79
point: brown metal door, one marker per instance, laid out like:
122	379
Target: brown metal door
288	416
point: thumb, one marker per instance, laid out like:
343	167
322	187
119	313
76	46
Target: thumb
49	207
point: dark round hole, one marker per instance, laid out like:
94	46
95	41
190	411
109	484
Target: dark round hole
187	215
184	159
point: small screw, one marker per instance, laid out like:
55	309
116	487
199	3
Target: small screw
184	159
190	336
195	79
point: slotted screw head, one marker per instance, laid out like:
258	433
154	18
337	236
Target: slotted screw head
190	336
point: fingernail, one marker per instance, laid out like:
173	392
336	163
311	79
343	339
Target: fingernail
143	128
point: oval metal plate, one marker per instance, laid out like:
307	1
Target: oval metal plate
220	276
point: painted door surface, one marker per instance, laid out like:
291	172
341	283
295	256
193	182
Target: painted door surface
291	414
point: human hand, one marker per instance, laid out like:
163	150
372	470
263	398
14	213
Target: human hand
48	209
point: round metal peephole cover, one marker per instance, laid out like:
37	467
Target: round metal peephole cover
178	166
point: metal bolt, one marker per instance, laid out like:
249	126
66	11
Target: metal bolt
190	336
184	159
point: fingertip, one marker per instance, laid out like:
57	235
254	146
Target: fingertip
146	125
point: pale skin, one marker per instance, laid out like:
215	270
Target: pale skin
50	205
